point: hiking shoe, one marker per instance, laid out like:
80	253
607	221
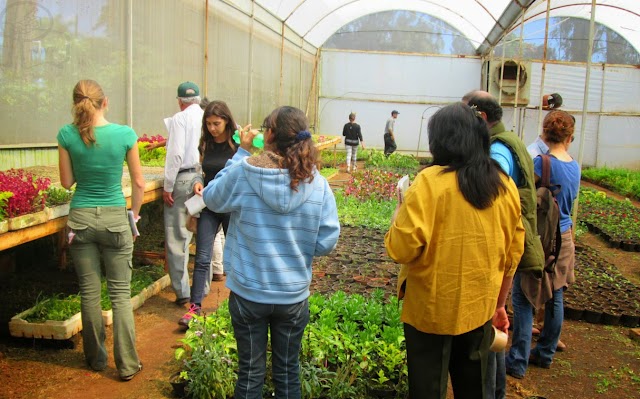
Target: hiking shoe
194	310
514	374
217	277
130	376
561	347
182	301
536	361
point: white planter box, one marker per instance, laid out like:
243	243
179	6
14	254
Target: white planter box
57	211
18	327
4	226
30	219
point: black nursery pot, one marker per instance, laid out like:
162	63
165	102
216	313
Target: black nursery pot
592	316
178	385
630	321
571	313
610	318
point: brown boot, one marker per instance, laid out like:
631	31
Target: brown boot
561	346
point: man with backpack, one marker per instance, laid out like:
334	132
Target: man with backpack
511	153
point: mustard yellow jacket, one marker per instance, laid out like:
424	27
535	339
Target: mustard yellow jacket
453	255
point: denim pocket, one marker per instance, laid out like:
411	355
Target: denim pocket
119	235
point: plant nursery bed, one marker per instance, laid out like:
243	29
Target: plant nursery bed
61	330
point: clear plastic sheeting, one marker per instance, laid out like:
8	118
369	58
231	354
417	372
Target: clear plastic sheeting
623	16
317	20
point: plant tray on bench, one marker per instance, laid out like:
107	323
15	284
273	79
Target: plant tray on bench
61	330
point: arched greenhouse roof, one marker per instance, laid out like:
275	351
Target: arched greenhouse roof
482	22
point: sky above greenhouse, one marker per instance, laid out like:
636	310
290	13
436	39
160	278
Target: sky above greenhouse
483	22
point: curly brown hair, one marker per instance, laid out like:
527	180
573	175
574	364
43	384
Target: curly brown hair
292	140
557	126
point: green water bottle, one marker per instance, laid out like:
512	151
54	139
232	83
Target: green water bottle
258	141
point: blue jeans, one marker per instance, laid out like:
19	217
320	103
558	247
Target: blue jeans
104	231
251	324
550	334
496	377
518	358
208	224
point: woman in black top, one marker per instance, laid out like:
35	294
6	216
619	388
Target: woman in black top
216	148
353	137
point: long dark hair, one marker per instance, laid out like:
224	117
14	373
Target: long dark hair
292	140
459	140
221	110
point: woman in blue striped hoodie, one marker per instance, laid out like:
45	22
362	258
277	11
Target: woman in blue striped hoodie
283	213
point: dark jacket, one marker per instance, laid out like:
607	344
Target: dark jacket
533	257
352	133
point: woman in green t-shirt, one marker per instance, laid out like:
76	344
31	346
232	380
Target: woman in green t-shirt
91	152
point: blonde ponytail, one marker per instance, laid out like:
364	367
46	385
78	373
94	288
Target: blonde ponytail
88	97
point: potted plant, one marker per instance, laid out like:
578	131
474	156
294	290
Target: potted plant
209	356
57	202
26	206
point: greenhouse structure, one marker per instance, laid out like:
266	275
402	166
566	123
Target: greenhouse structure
374	228
329	58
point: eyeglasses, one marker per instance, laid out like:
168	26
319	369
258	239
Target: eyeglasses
573	138
263	128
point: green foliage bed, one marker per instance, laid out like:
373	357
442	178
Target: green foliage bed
619	220
352	345
623	181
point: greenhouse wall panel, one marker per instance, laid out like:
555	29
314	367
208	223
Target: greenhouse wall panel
374	84
398	77
168	47
619	144
620	85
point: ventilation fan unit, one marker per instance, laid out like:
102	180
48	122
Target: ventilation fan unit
502	79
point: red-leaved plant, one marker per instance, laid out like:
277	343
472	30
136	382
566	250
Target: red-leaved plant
28	191
151	139
372	184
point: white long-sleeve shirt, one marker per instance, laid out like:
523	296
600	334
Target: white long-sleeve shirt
182	144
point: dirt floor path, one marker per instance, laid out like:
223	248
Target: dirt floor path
36	369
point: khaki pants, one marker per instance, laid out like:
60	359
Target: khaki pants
105	231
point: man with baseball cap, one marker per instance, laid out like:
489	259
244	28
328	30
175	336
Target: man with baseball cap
179	170
389	138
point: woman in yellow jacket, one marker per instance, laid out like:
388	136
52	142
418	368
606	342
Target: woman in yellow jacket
458	235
